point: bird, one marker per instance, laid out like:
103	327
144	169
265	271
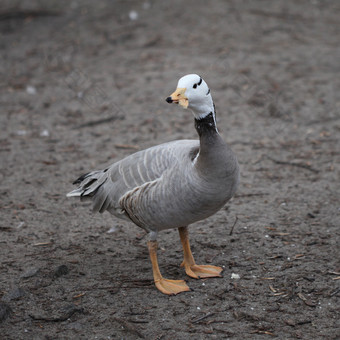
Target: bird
170	185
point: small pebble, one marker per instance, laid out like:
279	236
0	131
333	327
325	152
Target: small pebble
21	224
133	15
29	272
5	311
61	270
31	90
112	230
14	294
44	133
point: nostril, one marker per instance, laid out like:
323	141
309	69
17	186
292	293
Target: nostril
169	100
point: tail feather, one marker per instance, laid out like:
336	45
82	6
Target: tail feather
92	188
75	193
81	178
89	184
101	201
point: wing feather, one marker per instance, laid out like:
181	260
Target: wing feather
115	188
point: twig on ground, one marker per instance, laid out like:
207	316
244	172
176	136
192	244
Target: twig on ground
336	291
127	146
300	165
202	317
232	228
98	122
252	194
258	331
307	302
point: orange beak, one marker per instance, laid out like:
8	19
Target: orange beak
179	97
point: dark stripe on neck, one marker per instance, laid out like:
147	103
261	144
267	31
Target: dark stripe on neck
206	125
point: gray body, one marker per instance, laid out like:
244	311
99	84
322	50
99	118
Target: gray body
167	186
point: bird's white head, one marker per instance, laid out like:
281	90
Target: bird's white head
193	92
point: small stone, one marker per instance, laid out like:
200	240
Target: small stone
75	325
21	224
21	132
112	230
133	15
61	270
44	133
29	273
31	90
14	294
5	311
290	322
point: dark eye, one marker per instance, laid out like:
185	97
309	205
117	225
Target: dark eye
195	85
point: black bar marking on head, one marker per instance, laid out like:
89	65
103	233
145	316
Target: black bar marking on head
200	82
208	92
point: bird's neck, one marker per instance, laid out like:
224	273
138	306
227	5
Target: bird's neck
206	126
211	147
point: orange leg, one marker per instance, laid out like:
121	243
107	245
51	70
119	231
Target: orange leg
191	268
169	287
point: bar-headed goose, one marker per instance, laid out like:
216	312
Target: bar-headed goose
170	185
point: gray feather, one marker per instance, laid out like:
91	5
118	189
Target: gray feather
162	187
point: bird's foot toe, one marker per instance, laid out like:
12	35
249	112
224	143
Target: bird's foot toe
203	271
172	287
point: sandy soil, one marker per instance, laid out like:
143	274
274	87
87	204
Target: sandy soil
84	84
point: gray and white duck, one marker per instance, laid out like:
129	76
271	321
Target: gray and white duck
170	185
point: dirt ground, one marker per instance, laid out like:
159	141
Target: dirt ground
83	84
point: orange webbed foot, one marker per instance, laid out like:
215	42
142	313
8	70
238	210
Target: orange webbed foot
202	271
171	287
